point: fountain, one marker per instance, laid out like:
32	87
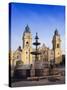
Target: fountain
35	69
36	52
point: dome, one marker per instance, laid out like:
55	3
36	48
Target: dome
27	29
56	32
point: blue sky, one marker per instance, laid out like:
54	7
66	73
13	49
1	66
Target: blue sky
43	19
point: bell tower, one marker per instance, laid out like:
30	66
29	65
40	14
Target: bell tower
57	47
27	46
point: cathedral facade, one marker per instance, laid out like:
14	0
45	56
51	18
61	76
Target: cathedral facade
47	54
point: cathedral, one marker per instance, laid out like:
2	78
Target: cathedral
47	55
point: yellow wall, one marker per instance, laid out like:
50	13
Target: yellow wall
58	56
27	57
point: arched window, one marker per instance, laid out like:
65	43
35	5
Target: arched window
58	45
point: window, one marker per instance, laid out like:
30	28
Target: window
44	52
26	52
17	57
26	42
57	45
